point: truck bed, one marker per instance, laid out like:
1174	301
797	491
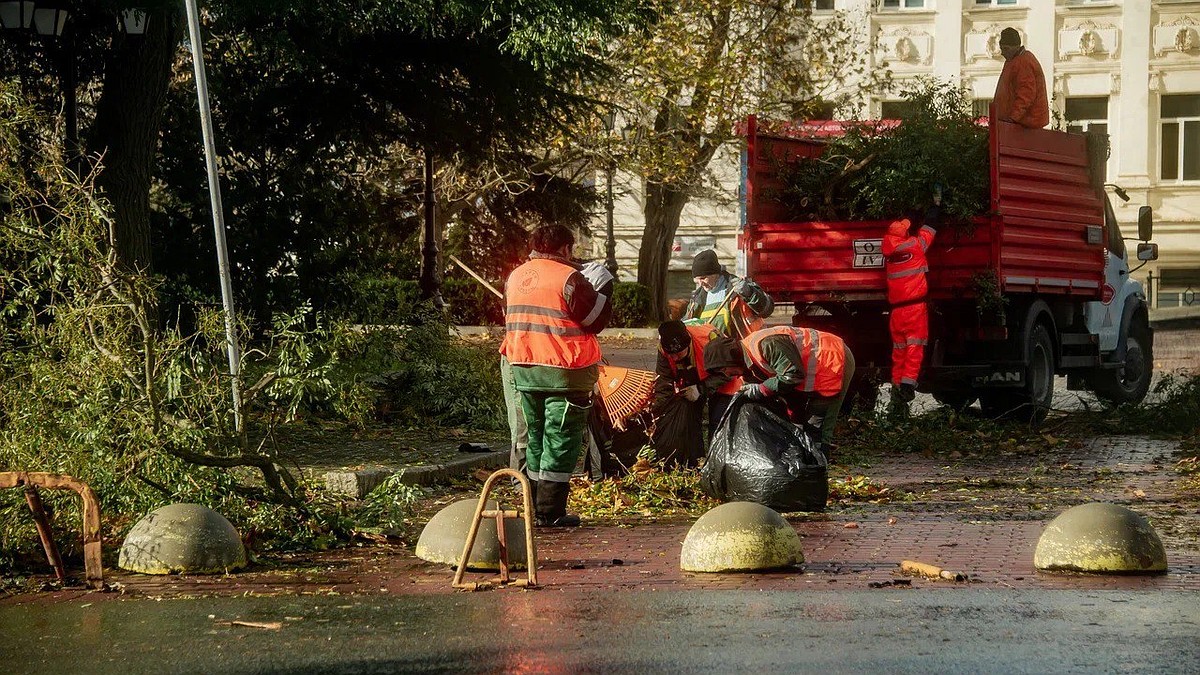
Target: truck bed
1044	234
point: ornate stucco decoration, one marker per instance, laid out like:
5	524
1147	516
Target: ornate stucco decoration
906	45
982	43
1179	36
1089	39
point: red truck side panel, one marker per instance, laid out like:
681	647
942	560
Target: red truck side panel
1035	240
1044	197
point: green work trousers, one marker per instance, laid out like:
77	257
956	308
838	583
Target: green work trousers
518	434
555	422
822	411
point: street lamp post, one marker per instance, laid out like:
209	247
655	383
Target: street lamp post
610	243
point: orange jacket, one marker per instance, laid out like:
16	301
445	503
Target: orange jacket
822	357
1021	92
904	260
701	334
539	330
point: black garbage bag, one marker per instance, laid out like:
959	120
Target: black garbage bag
759	456
678	432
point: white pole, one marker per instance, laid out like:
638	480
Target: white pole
214	191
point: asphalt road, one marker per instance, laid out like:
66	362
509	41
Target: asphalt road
882	631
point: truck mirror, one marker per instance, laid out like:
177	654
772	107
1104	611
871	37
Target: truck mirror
1147	252
1145	224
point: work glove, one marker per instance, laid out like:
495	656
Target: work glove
691	393
739	286
755	392
596	274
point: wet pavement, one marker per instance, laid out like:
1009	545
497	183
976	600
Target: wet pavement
890	630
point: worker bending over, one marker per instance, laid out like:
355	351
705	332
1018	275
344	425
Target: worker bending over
682	387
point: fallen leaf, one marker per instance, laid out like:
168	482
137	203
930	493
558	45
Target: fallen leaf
892	521
850	526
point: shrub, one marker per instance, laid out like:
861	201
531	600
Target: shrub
631	305
470	304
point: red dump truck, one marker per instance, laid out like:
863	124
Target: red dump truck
1039	286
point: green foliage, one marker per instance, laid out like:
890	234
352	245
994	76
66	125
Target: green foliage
388	505
1170	408
430	378
881	171
470	304
631	305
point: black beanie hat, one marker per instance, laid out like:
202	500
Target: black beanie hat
673	336
1009	37
705	263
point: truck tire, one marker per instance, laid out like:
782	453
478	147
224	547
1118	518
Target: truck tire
1032	403
1128	384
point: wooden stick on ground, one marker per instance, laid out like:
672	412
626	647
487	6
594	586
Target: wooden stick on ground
915	568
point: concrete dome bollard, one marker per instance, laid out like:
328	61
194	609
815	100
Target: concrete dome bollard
182	538
740	537
444	535
1101	538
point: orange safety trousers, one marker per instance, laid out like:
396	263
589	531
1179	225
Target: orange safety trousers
910	333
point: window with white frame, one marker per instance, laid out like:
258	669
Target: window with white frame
1087	113
994	3
816	5
902	4
1179	137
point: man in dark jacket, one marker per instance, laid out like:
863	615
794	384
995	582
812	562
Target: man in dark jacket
735	306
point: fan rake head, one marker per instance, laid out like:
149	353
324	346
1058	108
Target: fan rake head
624	392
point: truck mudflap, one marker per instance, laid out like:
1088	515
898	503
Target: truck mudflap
994	376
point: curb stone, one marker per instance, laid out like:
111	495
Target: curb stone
359	483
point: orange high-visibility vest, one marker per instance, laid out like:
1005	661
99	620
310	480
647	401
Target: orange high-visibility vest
701	335
905	262
822	357
539	330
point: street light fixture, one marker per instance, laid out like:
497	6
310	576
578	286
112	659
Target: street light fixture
610	244
134	21
16	13
50	18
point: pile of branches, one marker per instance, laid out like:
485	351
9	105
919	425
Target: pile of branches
882	170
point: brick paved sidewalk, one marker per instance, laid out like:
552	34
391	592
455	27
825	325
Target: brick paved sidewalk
849	547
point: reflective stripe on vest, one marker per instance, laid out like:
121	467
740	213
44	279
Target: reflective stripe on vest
822	357
539	330
736	319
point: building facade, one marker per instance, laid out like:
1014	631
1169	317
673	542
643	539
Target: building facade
1130	68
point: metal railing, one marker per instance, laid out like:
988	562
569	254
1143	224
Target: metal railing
1169	297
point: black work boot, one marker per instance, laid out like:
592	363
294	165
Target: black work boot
552	505
907	392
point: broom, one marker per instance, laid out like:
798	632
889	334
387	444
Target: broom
624	392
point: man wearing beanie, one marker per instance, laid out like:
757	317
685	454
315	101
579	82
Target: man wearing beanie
1021	91
734	306
682	386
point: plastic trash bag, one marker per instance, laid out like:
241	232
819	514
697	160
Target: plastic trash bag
609	452
759	456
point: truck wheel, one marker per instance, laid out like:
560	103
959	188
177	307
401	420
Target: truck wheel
1034	402
1128	384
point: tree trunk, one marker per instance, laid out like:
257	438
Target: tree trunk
126	130
664	205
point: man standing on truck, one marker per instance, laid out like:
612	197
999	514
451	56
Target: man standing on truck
808	370
1021	90
554	310
735	306
682	385
907	293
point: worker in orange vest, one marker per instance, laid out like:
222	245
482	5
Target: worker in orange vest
682	387
1021	90
907	292
555	308
807	369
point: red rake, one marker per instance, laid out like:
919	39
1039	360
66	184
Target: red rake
624	392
